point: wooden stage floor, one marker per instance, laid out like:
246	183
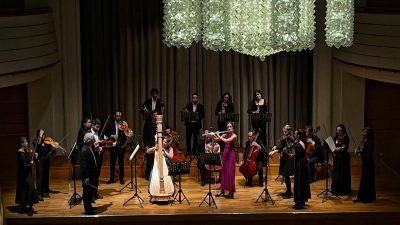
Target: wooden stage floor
241	209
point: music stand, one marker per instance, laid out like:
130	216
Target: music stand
226	117
261	117
267	197
135	141
328	146
140	200
211	159
178	168
188	116
72	155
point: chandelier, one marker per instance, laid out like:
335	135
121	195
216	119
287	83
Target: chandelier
257	27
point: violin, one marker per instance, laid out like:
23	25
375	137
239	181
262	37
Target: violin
123	125
54	144
106	143
360	146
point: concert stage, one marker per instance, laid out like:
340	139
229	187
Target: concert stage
240	210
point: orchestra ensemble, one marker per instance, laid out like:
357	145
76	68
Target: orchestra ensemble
299	150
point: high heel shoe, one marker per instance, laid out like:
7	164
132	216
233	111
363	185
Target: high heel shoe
230	195
222	193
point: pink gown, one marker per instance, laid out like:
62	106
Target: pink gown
228	166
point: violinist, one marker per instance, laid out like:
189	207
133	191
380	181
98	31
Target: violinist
316	156
258	105
201	147
86	125
117	135
341	174
153	103
25	194
366	191
42	165
149	140
286	164
193	126
98	153
301	189
261	160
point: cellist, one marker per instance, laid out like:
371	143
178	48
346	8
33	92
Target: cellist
260	160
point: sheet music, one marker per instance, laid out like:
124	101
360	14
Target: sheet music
134	152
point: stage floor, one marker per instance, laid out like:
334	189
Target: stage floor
241	207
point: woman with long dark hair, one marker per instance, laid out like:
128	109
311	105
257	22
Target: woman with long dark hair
366	191
224	105
258	105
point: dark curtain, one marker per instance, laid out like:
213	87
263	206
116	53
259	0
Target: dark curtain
123	57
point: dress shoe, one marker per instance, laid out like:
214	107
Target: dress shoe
98	196
298	206
30	212
110	182
203	183
248	184
288	195
220	194
40	198
230	195
260	184
45	196
90	213
122	182
312	181
357	201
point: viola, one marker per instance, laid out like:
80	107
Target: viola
123	125
249	166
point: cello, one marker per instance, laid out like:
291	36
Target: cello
161	187
178	155
249	166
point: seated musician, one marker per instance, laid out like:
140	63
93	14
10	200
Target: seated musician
168	153
201	147
316	156
261	160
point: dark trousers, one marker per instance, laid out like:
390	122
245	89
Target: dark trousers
99	160
87	196
202	169
114	154
311	166
43	175
149	164
190	130
260	167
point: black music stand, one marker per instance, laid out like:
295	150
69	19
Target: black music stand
213	159
135	142
325	150
226	117
74	156
265	196
188	116
178	168
140	200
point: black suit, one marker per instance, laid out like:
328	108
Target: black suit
148	103
200	147
87	171
316	157
261	161
116	151
193	128
149	140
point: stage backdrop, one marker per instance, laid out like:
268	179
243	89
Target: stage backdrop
124	57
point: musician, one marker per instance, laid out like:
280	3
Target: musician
225	105
286	164
258	105
153	103
98	153
228	161
316	156
117	135
341	175
261	160
201	147
149	140
168	153
86	125
42	165
88	172
193	126
25	194
366	191
302	190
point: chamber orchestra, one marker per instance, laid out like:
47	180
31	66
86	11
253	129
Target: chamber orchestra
298	151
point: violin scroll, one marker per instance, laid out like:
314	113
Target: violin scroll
123	125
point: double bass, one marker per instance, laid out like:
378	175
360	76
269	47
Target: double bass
161	187
249	166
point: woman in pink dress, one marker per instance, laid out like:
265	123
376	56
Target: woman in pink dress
228	162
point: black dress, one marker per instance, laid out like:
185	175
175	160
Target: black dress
366	191
26	193
286	164
302	190
259	125
341	175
